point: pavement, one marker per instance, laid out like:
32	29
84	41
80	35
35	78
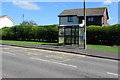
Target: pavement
76	50
20	62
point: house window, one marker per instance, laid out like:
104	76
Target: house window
91	19
70	19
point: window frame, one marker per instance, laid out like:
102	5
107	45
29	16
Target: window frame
70	18
90	19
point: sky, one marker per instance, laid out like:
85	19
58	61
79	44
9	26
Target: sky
46	13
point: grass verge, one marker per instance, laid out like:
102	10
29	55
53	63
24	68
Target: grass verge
24	43
30	43
103	48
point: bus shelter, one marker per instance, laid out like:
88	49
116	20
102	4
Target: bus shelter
71	35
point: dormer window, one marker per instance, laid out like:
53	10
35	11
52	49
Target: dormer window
90	19
70	19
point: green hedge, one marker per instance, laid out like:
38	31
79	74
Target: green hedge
47	33
109	35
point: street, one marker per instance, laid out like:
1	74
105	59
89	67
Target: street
18	62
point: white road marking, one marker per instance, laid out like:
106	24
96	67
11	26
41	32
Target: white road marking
8	53
113	74
57	52
53	62
70	54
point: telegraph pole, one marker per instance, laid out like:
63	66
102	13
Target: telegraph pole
85	46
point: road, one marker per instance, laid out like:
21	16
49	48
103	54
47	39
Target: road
18	62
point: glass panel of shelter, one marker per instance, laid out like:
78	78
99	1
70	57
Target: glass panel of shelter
61	35
67	35
72	35
81	32
61	31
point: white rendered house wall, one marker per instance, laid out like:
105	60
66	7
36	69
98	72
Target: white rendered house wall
5	22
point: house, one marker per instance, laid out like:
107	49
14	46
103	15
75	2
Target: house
71	22
94	16
5	21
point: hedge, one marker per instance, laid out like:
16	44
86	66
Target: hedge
109	35
47	33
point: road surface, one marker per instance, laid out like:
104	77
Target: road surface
18	62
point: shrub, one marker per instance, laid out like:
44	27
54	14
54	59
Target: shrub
27	32
95	34
104	35
4	32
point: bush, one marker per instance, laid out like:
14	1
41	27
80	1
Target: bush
4	32
51	33
47	33
113	33
104	35
95	34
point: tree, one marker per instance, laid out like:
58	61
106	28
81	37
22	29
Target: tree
30	23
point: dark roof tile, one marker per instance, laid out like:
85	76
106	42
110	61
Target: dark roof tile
80	12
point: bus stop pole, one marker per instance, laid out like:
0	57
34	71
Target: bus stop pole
85	46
